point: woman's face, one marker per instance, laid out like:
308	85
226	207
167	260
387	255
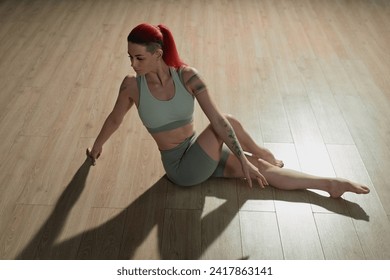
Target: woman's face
142	60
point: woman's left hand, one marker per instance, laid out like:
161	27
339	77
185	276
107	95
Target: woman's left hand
252	172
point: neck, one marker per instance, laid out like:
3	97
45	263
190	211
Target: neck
161	75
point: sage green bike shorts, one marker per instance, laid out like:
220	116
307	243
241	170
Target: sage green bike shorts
188	164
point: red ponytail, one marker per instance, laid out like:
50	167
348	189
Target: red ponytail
170	53
150	36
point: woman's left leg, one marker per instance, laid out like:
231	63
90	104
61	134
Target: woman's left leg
211	143
249	145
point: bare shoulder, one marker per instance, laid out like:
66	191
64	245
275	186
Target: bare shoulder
129	87
193	83
129	82
187	73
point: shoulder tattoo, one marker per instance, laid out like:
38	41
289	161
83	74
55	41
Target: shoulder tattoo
123	87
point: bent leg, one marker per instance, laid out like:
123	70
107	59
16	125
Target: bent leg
287	179
211	143
249	145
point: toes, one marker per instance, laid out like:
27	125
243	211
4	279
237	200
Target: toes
279	163
365	190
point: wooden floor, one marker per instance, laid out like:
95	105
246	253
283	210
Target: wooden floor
310	79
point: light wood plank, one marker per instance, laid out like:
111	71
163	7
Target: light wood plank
328	115
21	236
298	41
338	79
119	182
293	211
49	176
15	170
366	47
9	86
374	233
376	101
17	36
311	150
304	127
15	114
54	96
286	152
272	114
365	132
98	109
278	45
289	79
8	10
312	24
338	237
325	12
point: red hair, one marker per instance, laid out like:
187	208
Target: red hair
154	37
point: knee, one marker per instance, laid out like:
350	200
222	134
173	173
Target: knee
232	120
229	117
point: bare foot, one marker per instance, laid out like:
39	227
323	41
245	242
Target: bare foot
340	186
267	155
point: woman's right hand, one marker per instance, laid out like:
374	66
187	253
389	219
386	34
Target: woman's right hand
94	154
251	171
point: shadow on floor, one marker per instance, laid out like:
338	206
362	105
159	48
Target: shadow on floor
121	236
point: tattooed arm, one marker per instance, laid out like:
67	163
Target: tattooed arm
221	125
198	88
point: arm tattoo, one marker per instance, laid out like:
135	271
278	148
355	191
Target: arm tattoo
199	88
196	84
193	77
234	144
122	88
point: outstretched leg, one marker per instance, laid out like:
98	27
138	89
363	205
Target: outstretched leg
287	179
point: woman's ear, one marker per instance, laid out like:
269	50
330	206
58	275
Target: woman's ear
159	53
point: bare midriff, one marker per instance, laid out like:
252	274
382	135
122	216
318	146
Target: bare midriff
167	140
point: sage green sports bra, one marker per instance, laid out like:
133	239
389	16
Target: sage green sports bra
163	115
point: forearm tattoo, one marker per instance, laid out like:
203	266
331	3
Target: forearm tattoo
196	84
233	144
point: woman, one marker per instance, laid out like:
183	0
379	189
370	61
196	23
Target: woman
164	91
